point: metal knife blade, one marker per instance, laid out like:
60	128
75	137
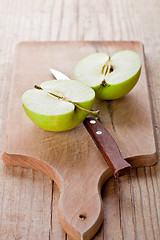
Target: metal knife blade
102	138
58	75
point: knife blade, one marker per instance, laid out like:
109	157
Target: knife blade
102	138
58	75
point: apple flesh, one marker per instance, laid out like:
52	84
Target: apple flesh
58	114
110	77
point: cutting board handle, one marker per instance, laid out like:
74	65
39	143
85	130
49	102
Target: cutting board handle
80	208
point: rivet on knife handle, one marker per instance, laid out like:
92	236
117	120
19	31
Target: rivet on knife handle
107	147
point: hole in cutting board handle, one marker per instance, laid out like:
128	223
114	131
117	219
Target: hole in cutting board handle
82	216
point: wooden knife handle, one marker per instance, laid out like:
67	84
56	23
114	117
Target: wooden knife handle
107	147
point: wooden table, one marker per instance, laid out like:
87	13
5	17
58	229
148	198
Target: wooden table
28	199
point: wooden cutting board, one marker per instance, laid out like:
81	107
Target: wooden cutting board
71	158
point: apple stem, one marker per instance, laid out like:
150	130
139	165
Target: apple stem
75	104
86	110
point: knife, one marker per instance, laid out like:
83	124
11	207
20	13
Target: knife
102	138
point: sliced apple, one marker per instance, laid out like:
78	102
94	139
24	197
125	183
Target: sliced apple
58	105
110	77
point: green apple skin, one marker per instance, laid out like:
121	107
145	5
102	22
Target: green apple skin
88	70
58	123
61	122
112	92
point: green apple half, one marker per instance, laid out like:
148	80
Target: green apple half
110	77
61	113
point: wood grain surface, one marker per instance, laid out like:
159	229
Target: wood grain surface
136	197
71	158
